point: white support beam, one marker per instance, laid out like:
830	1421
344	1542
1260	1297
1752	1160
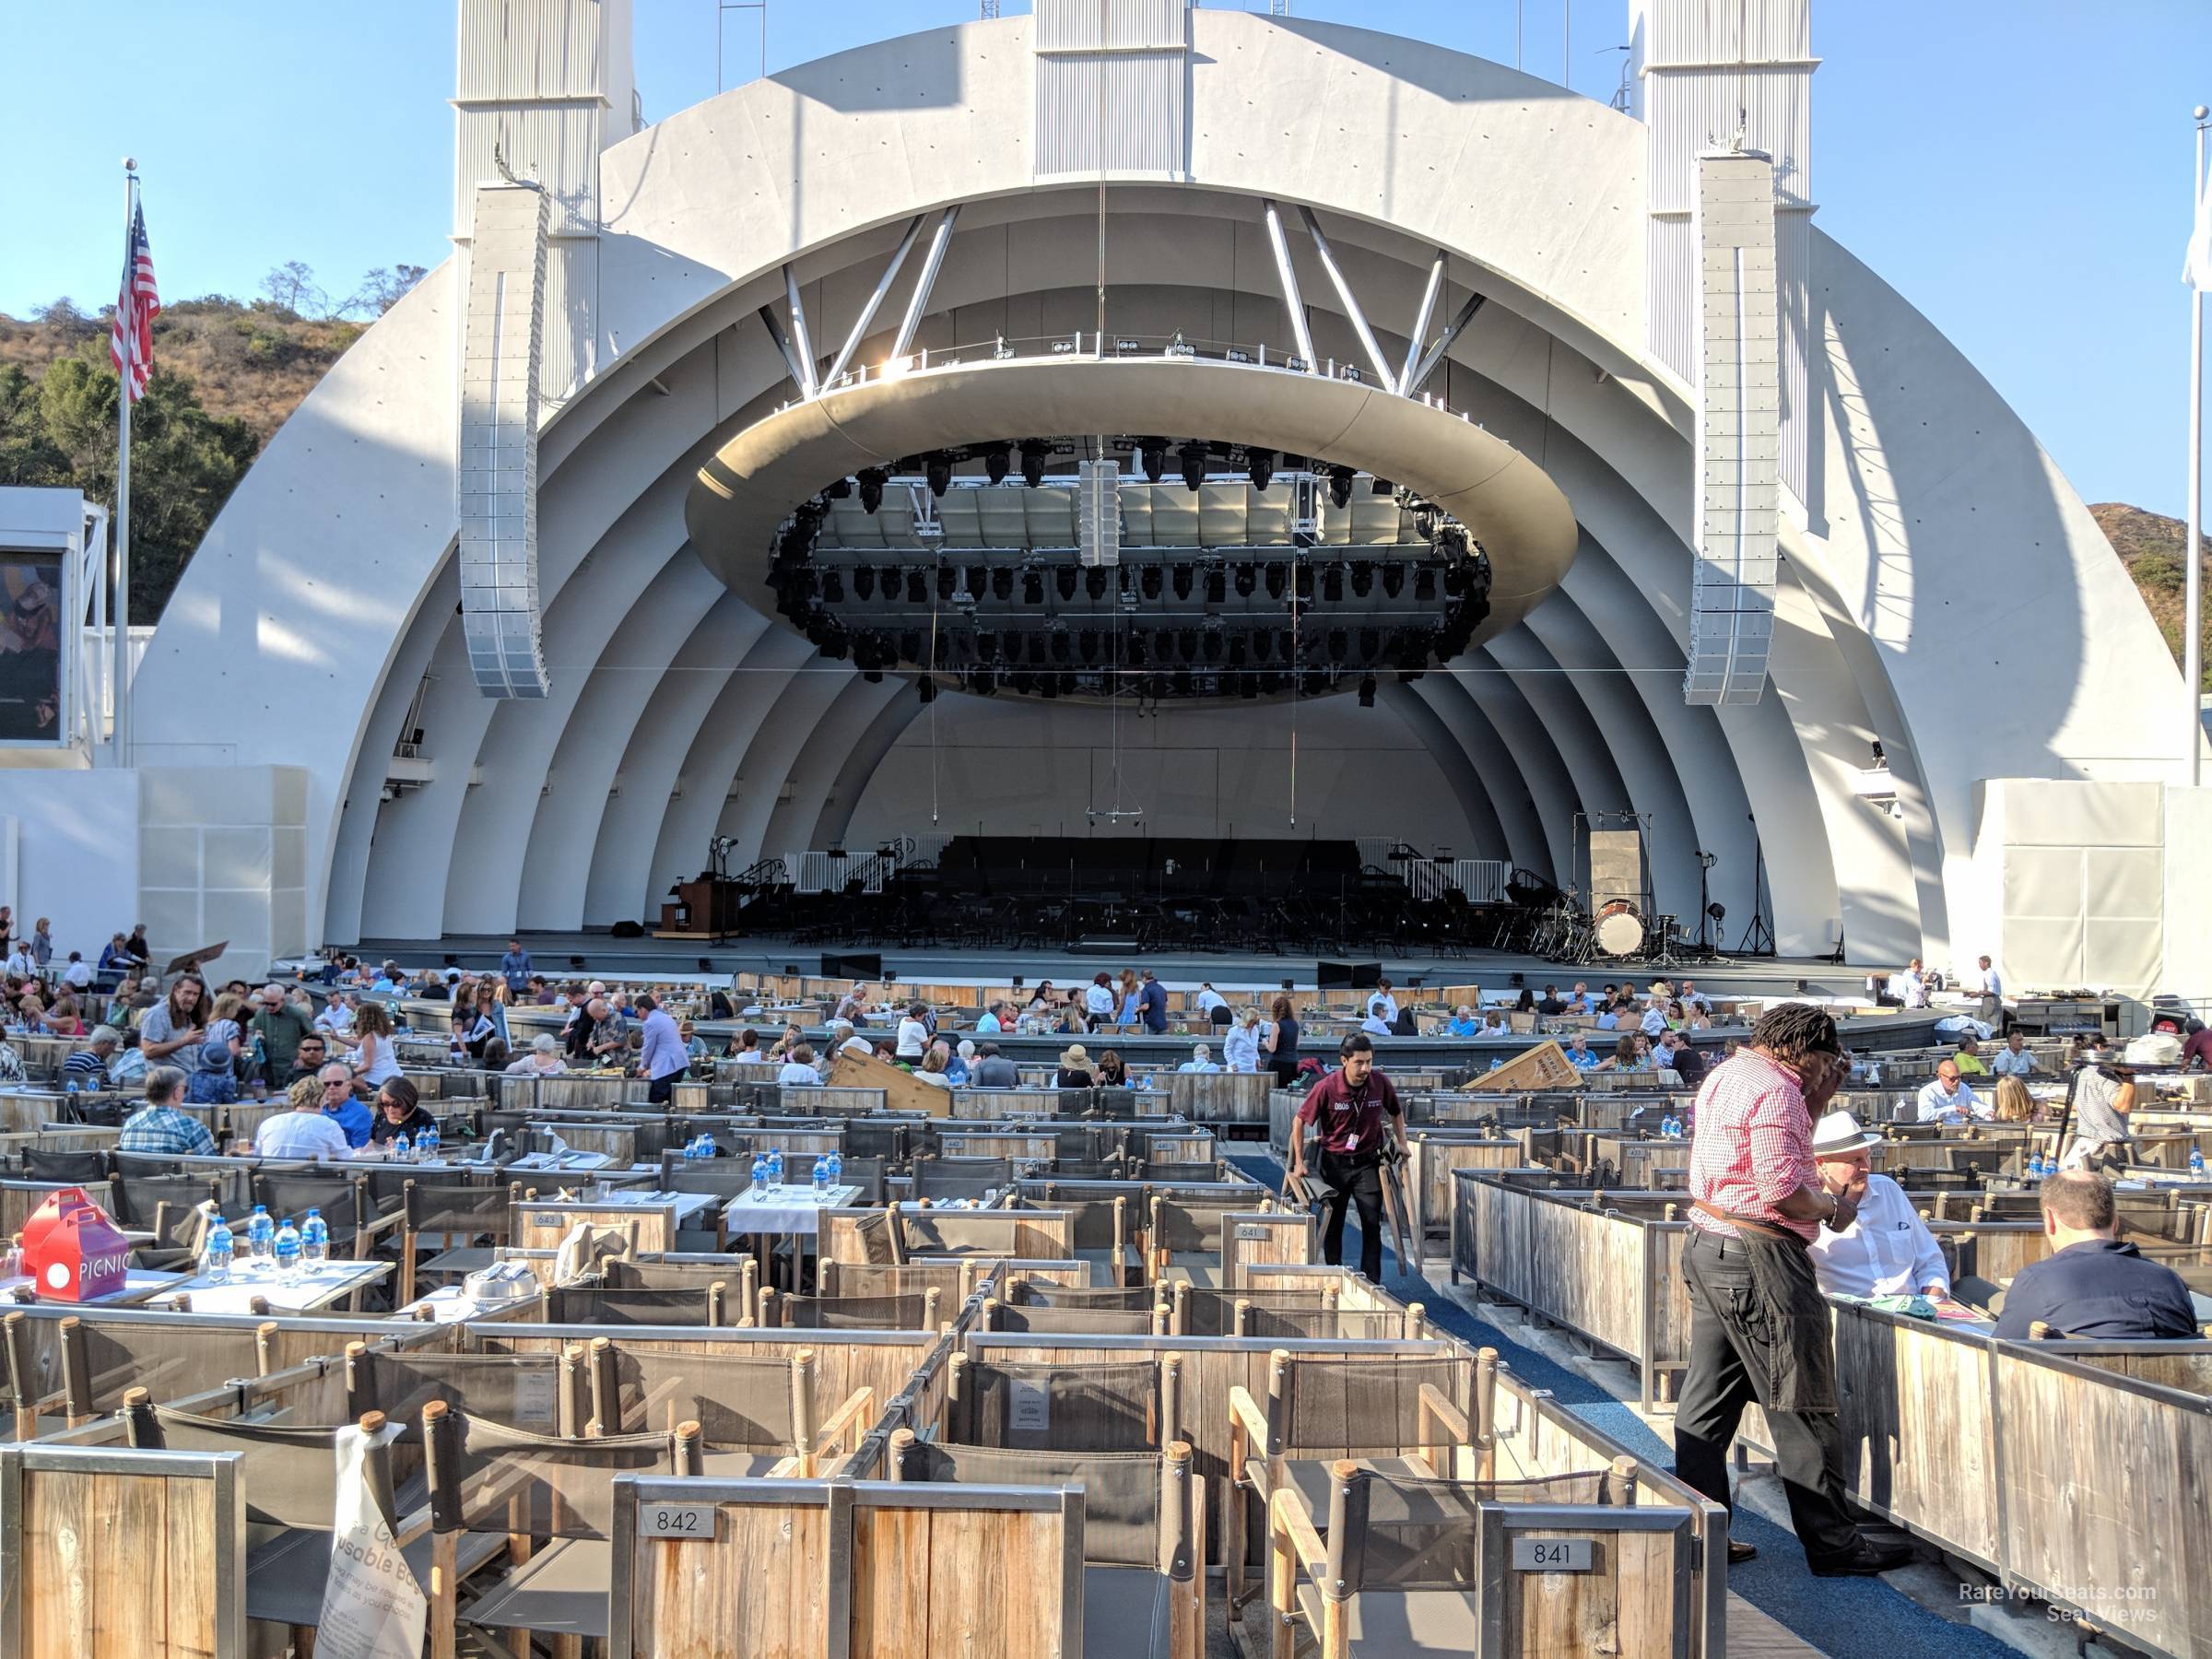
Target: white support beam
875	301
1292	300
1351	305
800	343
791	361
1420	324
918	306
1418	376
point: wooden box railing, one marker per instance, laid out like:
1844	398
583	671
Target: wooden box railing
1431	1157
122	1555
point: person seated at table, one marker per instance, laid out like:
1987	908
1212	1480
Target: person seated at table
1888	1249
399	1111
2014	1104
342	1101
1968	1057
1375	1025
1200	1060
1632	1051
798	1070
842	1041
992	1069
694	1044
745	1048
1949	1098
543	1060
2013	1060
306	1130
1580	1054
2092	1285
1462	1022
960	1063
87	1066
934	1068
1075	1068
1113	1071
159	1126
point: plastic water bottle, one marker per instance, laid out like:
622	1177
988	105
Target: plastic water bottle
836	1167
2196	1161
403	1149
760	1169
261	1234
2035	1166
314	1239
821	1175
426	1147
775	1166
287	1251
217	1255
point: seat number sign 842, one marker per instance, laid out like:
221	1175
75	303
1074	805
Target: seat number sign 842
676	1521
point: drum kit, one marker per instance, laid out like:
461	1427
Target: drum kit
1621	931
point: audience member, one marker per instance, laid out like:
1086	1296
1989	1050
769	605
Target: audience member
798	1070
1075	1068
2092	1286
1280	1046
2014	1103
159	1126
2100	1097
306	1130
2013	1060
992	1069
399	1111
1200	1060
87	1066
543	1060
1949	1099
345	1106
1241	1045
1888	1249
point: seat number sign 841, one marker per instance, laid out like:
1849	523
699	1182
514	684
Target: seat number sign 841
1552	1555
676	1521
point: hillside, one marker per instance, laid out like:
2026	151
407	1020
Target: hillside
2151	547
229	373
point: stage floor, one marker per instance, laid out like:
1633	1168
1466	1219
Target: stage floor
678	960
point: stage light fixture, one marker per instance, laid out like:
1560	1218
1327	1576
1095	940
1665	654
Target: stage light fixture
1259	465
1263	644
1094	582
998	460
948	581
1133	650
864	582
1032	587
1152	454
1067	685
1192	457
1305	582
1021	685
1370	644
1210	644
1216	586
839	490
1337	646
1367	690
1383	486
910	645
1332	584
1248	685
1033	454
917	587
1238	646
1065	579
1424	585
1363	578
1002	583
982	682
1271	685
834	587
873	676
986	648
1181	682
872	480
1148	581
1186	643
1248	580
1059	644
1340	488
937	470
1037	644
927	690
977	579
1049	685
1087	644
1393	578
1183	581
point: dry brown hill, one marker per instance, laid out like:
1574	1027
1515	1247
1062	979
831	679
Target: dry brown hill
2149	545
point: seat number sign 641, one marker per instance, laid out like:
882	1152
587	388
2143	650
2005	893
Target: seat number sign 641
678	1521
1552	1555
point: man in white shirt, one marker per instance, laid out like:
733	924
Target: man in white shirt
1886	1250
1375	1026
1200	1060
1909	987
1213	1005
1689	996
1982	982
336	1019
78	976
2013	1060
1383	1005
1098	1000
1654	1020
305	1131
1949	1098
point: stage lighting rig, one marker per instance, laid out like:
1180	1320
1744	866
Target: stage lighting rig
1217	585
948	581
1340	488
1149	582
1034	452
1393	576
1065	579
1180	581
917	586
864	582
1363	578
1259	465
1332	584
937	470
1248	580
872	480
1032	586
1152	452
1001	584
1278	579
1194	457
833	586
998	460
1094	582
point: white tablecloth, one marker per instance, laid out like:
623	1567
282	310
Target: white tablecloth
784	1209
315	1288
687	1204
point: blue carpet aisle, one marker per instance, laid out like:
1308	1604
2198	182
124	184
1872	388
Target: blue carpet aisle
1848	1618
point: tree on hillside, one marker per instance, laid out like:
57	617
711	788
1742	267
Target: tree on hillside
291	287
26	454
381	289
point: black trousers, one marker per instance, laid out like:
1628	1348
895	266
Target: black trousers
662	1090
1352	1180
1728	1335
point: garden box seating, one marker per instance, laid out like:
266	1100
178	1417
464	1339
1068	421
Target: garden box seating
1144	1574
343	1199
1126	1404
455	1217
915	1311
1111	1311
708	1304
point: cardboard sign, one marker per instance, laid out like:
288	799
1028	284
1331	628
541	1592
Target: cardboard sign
1544	1067
72	1251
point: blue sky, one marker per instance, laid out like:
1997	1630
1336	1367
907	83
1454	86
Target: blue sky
2017	169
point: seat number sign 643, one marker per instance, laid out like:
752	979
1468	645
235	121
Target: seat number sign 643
678	1521
1552	1555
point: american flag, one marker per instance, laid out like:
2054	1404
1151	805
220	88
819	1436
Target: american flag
131	344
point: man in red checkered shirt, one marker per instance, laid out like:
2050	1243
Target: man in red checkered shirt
1760	1327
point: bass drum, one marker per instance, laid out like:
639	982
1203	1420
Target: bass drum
1619	928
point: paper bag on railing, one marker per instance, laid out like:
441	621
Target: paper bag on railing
573	1259
373	1609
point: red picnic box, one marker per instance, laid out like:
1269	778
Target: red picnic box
72	1251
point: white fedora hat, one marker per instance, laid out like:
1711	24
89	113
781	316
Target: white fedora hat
1838	1132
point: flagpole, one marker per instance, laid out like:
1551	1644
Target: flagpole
2193	603
119	658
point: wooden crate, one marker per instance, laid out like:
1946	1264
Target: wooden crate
1543	1067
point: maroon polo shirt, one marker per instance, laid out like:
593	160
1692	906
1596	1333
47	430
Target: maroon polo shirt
1349	1119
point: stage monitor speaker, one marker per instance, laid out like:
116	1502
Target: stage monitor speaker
1347	976
852	967
627	930
1616	866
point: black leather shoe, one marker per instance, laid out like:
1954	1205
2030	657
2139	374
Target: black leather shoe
1739	1552
1864	1562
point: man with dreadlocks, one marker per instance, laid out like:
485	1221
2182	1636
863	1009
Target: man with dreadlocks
1759	1324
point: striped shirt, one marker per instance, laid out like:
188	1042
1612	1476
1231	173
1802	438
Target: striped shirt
1753	1145
84	1062
165	1129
